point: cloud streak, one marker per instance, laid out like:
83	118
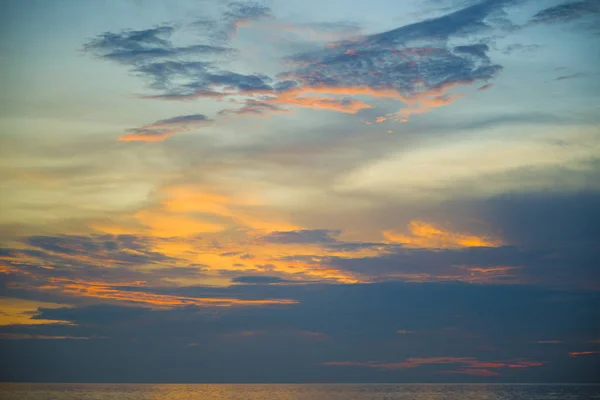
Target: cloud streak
472	366
163	129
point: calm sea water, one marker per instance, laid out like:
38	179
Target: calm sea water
297	392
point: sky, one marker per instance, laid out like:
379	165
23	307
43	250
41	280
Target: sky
300	191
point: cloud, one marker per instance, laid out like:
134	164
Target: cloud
476	50
567	12
240	13
425	235
26	336
575	354
254	107
518	47
452	319
472	367
316	236
413	64
145	46
258	280
482	166
163	129
97	250
26	312
183	72
572	76
391	60
329	32
129	47
531	219
127	295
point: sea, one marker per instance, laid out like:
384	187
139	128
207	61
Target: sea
39	391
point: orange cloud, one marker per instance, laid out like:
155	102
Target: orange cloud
319	97
165	224
244	209
582	353
107	291
24	312
472	365
421	102
428	236
344	105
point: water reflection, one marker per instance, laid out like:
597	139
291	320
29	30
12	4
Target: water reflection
296	392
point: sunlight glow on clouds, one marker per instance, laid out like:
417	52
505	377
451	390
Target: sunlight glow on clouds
424	235
24	312
310	182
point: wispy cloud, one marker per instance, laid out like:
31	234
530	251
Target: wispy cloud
163	129
575	354
472	367
567	12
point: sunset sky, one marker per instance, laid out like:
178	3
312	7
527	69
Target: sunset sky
300	191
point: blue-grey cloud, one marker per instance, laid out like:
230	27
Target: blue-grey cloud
316	236
571	76
162	129
183	72
519	47
567	12
253	107
360	321
126	249
144	46
413	60
258	279
476	50
241	12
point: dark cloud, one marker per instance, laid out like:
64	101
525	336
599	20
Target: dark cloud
326	238
330	323
120	249
259	279
567	12
529	48
546	219
468	20
316	236
413	61
161	75
240	81
241	12
131	47
145	46
572	76
160	130
182	72
476	50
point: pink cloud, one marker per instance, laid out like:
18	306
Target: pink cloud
471	366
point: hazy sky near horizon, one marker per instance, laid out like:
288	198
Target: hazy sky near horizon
300	191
